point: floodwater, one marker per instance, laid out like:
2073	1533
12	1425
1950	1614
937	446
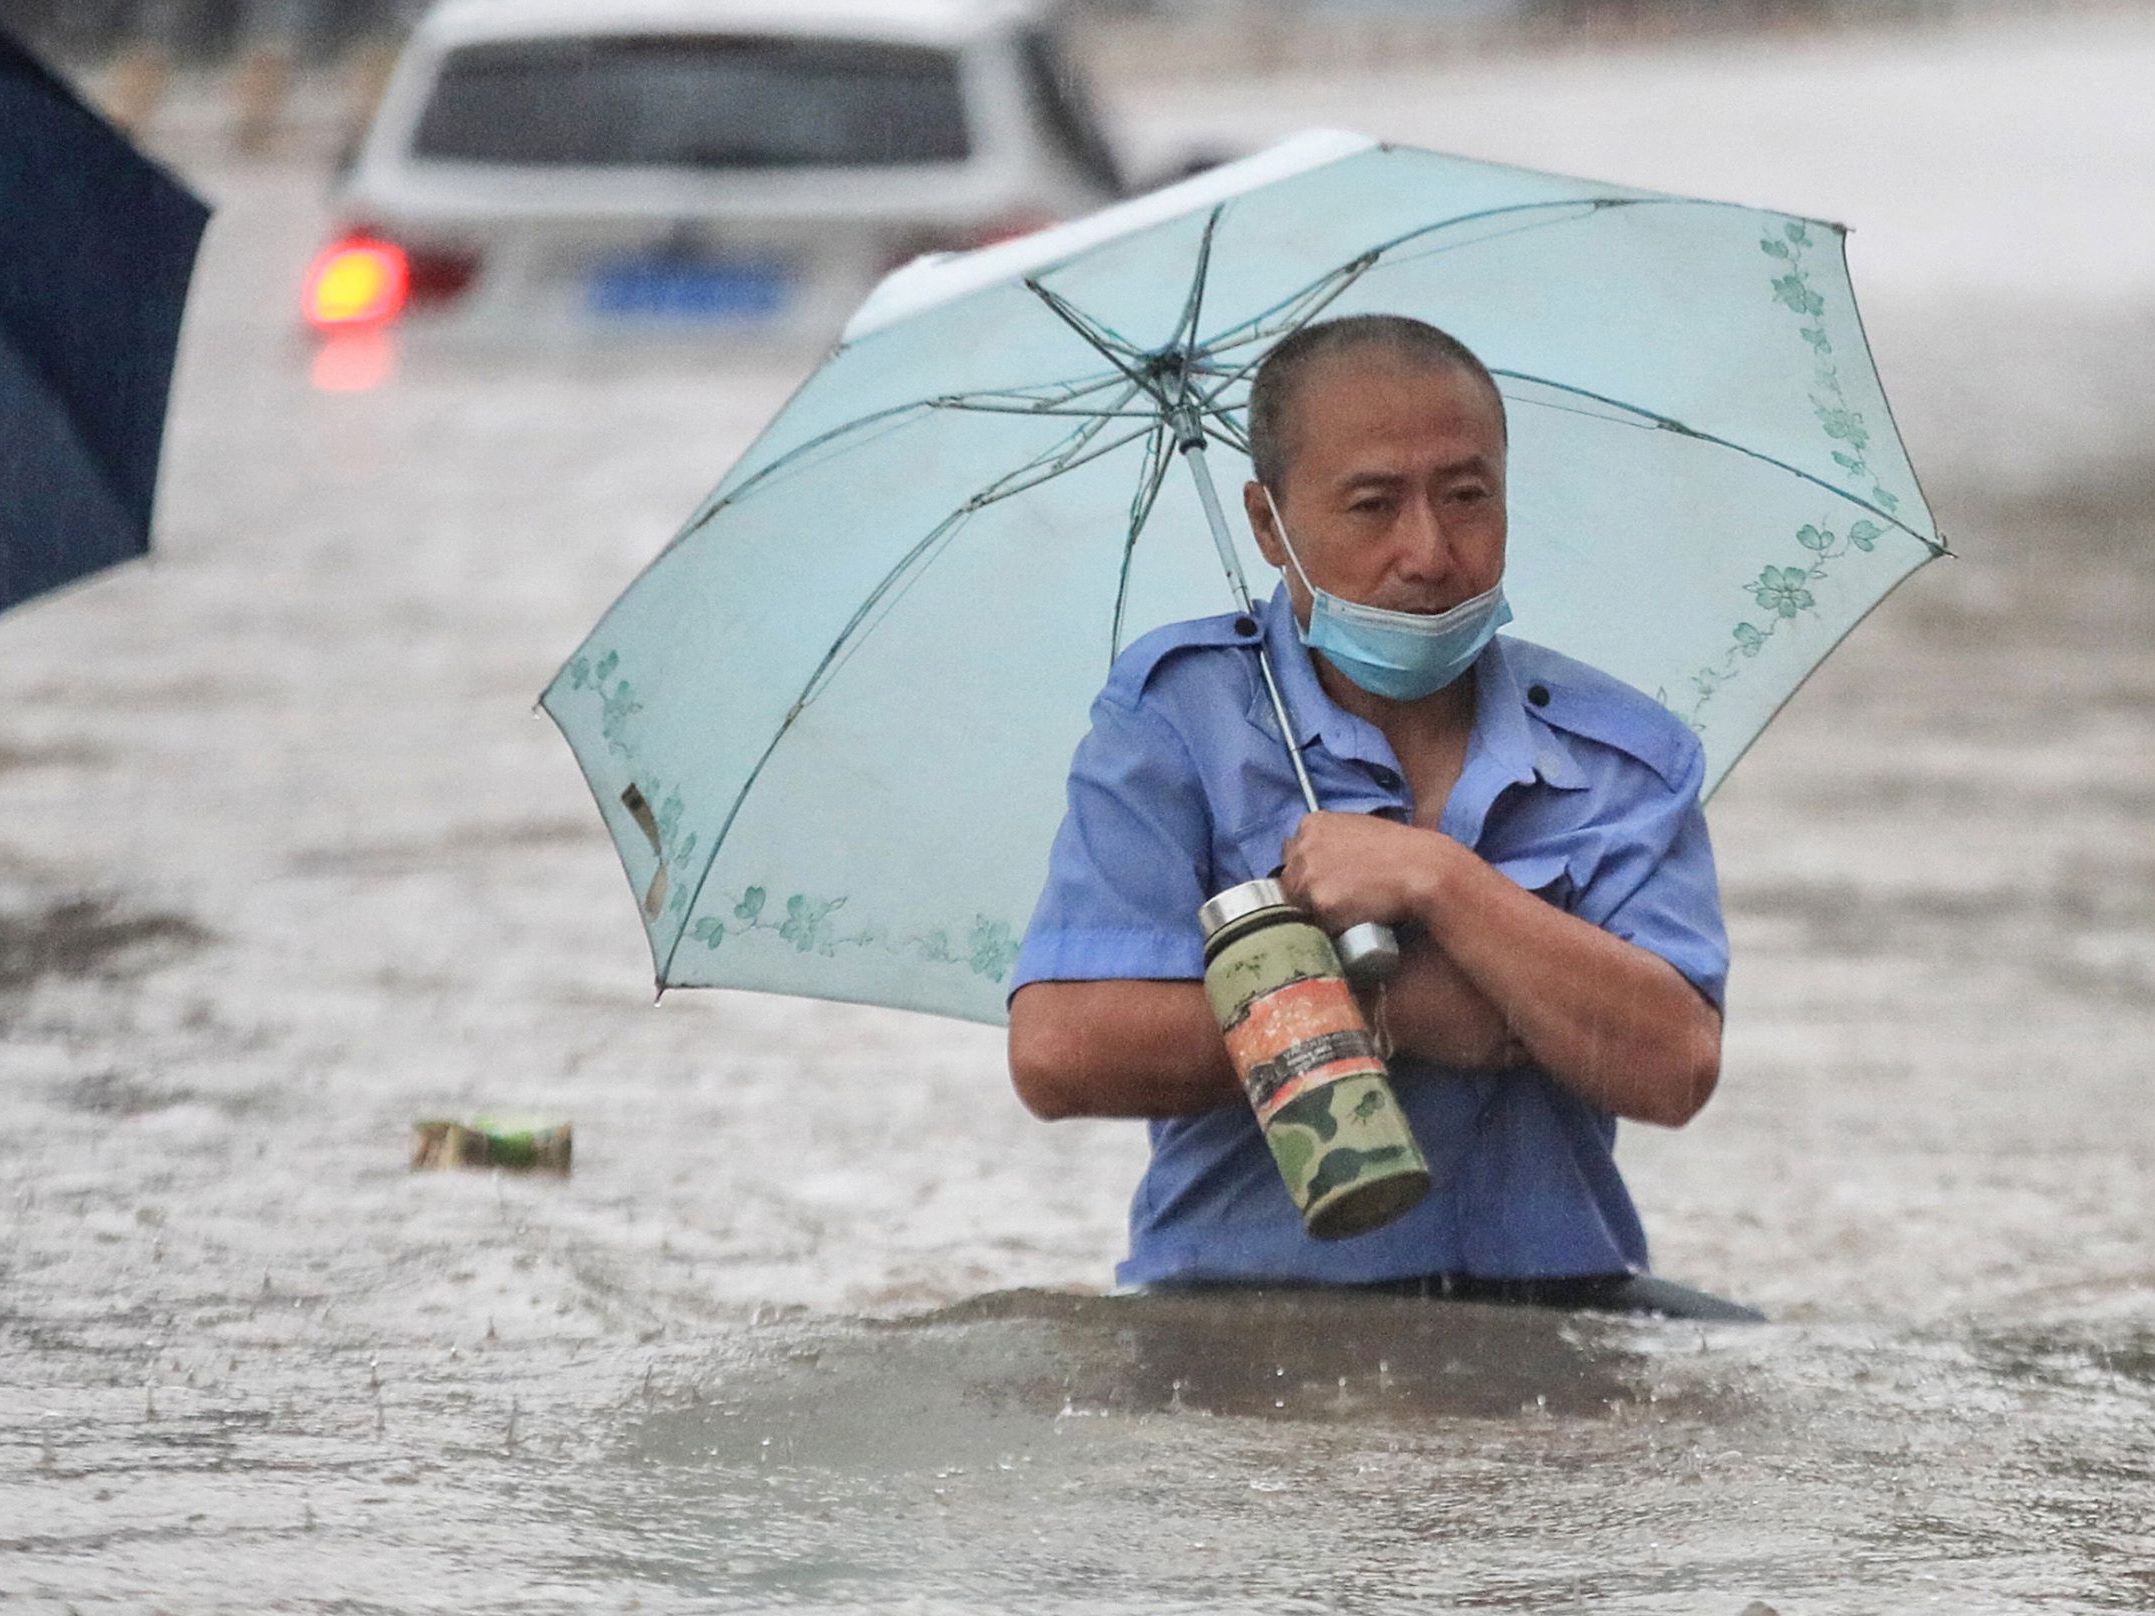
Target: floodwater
285	863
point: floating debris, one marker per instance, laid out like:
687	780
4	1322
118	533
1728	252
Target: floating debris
490	1142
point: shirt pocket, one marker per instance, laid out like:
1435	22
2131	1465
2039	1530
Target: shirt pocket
1255	852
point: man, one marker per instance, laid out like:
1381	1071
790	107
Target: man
1530	826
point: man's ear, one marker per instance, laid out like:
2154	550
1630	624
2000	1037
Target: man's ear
1259	510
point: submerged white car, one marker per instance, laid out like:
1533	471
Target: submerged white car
563	168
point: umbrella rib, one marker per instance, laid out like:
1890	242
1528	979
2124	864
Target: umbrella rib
1369	257
1224	423
1102	413
1044	467
818	441
1211	399
1328	288
1069	391
1669	423
1290	313
886	596
1522	228
1127	346
1048	393
1069	315
1048	471
1078	439
1313	302
1013	409
1185	326
1159	455
1193	305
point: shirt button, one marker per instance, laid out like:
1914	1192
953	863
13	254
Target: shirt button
1245	625
1538	695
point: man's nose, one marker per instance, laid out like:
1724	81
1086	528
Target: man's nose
1424	540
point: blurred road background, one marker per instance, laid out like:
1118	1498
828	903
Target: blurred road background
286	864
274	56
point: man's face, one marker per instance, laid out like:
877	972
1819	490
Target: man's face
1395	486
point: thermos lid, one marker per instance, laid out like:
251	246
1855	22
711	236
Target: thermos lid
1225	908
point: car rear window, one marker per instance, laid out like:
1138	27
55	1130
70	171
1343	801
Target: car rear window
695	101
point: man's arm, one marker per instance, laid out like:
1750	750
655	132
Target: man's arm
1615	1023
1433	1012
1118	1049
1111	1019
1153	1049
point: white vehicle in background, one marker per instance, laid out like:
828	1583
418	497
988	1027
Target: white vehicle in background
548	169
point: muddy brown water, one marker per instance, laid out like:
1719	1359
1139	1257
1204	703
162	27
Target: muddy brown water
285	864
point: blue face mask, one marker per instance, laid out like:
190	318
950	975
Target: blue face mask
1402	656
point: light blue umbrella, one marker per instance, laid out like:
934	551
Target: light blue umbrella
829	725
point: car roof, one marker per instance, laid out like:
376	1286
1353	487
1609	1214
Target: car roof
917	21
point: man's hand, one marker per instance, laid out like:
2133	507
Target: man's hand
1612	1022
1345	869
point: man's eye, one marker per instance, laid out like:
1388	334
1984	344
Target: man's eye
1470	494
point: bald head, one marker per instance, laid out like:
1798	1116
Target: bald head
1393	339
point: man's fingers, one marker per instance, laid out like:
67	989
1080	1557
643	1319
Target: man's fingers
1308	886
1294	883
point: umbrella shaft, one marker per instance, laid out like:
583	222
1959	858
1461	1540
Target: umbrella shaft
1216	519
1369	951
1193	447
1279	711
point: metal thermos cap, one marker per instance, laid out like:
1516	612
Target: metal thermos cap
1225	908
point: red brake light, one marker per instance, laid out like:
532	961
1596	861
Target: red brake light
357	282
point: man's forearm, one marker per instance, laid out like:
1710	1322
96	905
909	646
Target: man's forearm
1118	1049
1434	1013
1618	1025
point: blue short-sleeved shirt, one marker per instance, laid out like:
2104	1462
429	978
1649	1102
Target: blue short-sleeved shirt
1575	785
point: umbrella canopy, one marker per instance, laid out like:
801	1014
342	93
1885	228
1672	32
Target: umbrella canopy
96	247
829	726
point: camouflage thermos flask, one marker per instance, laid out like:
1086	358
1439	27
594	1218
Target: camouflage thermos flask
1308	1063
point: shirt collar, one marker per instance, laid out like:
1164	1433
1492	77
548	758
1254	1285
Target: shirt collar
1510	746
1317	717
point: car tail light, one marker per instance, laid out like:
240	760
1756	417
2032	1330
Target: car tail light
358	281
368	280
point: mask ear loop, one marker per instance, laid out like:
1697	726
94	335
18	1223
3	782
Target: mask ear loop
1279	526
